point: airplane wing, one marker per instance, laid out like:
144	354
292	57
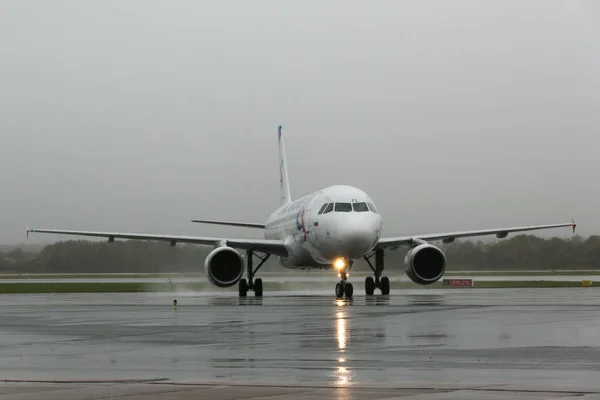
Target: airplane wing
267	246
230	223
394	242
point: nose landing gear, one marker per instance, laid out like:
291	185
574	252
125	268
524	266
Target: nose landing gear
383	283
343	287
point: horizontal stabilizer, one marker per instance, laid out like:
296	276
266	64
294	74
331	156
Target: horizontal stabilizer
242	224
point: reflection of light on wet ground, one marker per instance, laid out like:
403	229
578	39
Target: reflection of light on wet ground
342	375
341	333
343	380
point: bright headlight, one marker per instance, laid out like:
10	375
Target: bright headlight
339	263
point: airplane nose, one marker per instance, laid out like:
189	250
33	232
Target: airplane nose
356	238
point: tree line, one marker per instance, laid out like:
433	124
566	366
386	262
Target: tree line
522	252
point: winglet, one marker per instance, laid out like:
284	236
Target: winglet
573	224
27	232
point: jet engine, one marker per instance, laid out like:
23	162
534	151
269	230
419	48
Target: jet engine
425	264
224	266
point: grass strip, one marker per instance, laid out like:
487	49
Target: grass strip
284	274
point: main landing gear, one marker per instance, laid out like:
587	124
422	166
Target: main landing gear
343	287
382	283
252	284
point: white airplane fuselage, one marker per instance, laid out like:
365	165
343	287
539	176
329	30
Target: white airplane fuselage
332	223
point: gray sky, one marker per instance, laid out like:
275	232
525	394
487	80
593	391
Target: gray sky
140	115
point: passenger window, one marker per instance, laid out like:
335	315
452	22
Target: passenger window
343	207
322	208
360	207
372	208
329	208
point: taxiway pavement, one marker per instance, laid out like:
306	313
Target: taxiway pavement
448	343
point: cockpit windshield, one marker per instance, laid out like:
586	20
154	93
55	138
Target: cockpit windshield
360	207
322	208
372	207
343	207
347	207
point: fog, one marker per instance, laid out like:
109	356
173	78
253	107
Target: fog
138	116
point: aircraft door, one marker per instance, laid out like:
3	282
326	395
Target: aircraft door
309	219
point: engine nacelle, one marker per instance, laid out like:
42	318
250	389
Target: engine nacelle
224	266
425	264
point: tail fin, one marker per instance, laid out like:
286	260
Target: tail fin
284	183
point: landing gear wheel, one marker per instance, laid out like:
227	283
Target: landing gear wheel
339	290
385	285
243	287
258	287
369	286
348	290
255	284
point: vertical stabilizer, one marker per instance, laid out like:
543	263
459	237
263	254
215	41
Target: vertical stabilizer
284	183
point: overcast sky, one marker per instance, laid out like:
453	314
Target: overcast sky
140	115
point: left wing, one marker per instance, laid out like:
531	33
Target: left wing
449	237
262	245
230	223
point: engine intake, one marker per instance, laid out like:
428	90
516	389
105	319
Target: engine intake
425	264
224	266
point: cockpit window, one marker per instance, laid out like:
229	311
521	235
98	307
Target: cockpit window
322	208
343	207
329	208
372	208
360	207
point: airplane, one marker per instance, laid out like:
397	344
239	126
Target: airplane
328	229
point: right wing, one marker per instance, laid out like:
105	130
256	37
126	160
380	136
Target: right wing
394	242
242	224
267	246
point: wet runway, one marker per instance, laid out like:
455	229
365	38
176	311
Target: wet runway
460	343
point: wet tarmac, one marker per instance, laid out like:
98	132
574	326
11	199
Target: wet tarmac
451	343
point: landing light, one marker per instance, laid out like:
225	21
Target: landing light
339	263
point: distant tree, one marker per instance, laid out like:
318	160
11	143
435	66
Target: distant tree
519	252
17	255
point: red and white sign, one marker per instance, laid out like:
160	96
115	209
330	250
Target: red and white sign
460	282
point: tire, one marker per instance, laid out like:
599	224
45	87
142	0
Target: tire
369	286
385	285
243	287
339	290
258	287
348	290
